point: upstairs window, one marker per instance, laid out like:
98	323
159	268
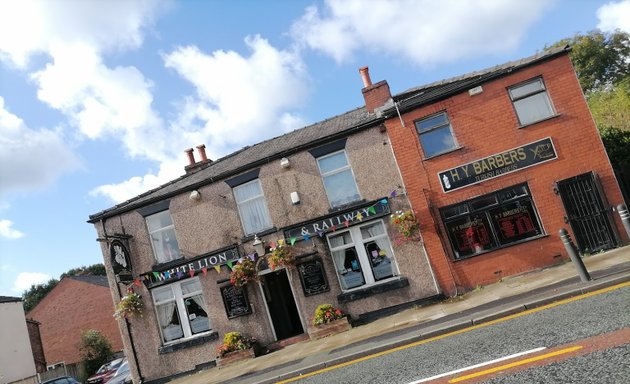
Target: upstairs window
531	101
162	235
339	182
436	135
181	310
252	207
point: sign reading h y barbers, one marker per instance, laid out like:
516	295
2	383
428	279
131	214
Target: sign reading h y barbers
498	165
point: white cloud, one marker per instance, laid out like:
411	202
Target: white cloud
425	32
251	95
614	15
7	231
24	280
29	27
25	155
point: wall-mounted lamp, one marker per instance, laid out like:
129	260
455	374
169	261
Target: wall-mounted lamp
295	198
284	163
195	195
259	246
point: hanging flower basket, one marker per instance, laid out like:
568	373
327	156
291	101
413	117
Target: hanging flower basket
236	347
130	305
407	226
243	273
281	256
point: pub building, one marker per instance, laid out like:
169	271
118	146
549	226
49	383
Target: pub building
326	191
491	163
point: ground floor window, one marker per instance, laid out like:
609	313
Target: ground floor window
181	310
491	221
362	255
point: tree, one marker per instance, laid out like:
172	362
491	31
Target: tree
617	143
96	350
600	59
37	292
611	108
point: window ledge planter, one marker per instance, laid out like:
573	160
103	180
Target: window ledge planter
327	329
232	357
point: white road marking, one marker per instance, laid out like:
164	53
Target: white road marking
478	365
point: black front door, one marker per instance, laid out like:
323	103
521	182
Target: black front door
587	214
281	304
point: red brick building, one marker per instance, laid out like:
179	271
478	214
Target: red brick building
496	162
76	304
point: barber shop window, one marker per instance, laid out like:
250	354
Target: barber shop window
531	101
362	255
339	182
181	310
252	207
491	221
162	235
436	135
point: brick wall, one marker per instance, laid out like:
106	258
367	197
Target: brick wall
486	124
69	309
37	347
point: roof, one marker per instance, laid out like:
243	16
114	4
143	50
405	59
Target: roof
320	133
9	299
251	157
429	93
92	279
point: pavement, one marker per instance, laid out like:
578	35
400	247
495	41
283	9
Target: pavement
509	296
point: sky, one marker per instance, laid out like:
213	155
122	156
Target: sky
99	99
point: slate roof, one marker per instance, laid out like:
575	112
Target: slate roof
430	93
9	299
320	133
92	279
251	157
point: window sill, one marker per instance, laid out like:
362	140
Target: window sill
188	343
375	289
443	153
539	121
248	238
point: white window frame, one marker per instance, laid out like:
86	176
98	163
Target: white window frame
358	243
337	171
424	131
529	96
178	298
265	220
156	237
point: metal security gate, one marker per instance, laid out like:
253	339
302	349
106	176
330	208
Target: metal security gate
587	214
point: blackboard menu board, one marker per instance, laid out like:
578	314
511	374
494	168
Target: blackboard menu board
235	301
313	277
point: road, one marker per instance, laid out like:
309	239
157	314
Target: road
583	340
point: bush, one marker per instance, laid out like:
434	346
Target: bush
96	350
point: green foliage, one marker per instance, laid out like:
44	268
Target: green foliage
235	341
37	292
600	59
95	349
617	143
611	108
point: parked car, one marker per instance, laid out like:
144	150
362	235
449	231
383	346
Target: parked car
105	372
61	380
122	375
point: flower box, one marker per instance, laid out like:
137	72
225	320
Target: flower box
331	328
231	357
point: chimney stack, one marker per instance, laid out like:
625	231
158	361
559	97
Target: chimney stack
191	156
202	151
375	95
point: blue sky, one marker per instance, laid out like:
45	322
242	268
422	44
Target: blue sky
99	99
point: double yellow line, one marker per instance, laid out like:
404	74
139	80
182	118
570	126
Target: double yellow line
460	331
